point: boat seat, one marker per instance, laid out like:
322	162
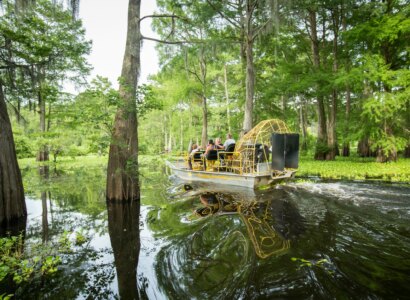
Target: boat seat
211	158
226	156
197	160
230	148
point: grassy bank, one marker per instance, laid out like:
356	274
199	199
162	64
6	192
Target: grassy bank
352	168
355	168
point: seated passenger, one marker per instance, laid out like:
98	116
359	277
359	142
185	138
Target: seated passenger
218	144
194	149
211	146
229	140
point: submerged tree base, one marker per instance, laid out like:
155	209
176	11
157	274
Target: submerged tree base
13	227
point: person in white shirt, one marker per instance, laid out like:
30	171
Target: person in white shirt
229	141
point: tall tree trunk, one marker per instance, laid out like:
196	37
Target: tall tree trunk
407	151
42	154
22	5
204	135
122	172
331	139
321	144
364	148
276	24
250	69
228	113
383	155
346	144
303	124
284	100
12	202
181	133
203	68
18	109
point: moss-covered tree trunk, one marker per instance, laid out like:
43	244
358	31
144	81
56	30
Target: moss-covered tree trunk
12	202
122	172
321	143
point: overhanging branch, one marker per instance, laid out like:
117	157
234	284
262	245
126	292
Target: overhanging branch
173	42
172	16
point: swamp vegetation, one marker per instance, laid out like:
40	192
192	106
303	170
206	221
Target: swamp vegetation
89	210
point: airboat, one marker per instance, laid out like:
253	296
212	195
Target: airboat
267	154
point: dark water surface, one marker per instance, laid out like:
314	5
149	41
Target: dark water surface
302	240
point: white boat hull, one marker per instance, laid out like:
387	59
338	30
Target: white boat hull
227	178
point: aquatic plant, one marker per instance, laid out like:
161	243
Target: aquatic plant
355	169
25	264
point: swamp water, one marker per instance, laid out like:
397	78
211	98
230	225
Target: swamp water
302	240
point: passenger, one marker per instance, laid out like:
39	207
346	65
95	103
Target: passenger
229	141
211	146
218	144
195	148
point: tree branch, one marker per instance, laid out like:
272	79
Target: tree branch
196	75
223	16
172	16
173	42
259	29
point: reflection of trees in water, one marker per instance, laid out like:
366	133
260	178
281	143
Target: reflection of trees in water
217	259
123	226
85	273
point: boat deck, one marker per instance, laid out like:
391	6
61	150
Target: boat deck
250	180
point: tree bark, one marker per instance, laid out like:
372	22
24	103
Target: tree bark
407	152
303	124
42	154
250	68
122	172
228	113
364	148
204	135
331	138
12	202
321	143
346	144
203	68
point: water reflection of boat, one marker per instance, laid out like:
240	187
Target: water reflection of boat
216	256
266	154
255	215
271	220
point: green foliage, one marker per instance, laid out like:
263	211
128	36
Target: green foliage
355	169
5	297
23	145
25	266
40	49
80	238
146	100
